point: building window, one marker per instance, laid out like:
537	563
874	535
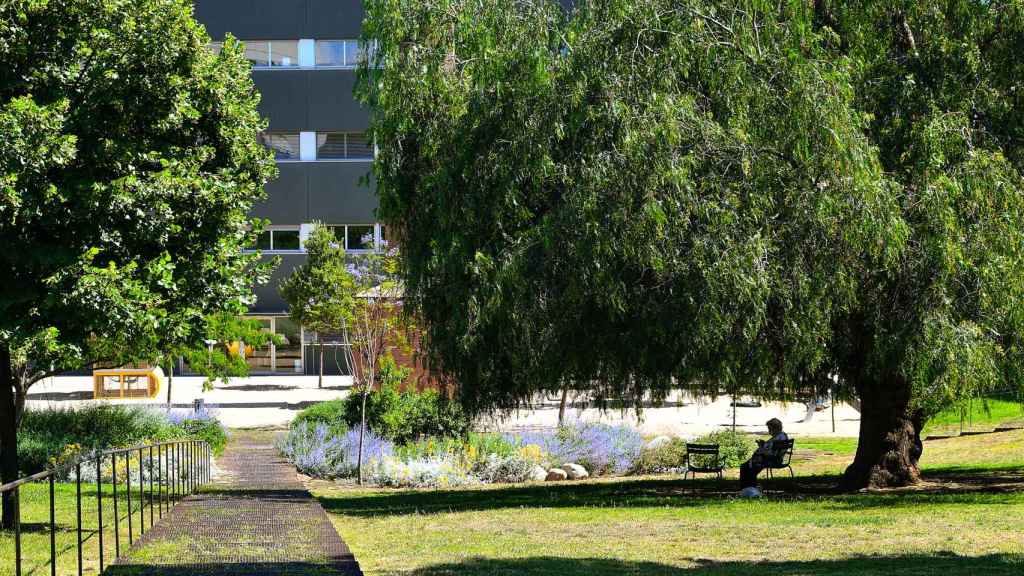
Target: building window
286	240
342	53
355	237
343	146
272	53
338	53
284	144
279	240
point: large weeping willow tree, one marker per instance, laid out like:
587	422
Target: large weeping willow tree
718	195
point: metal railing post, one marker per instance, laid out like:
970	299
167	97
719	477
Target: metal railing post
128	493
99	505
162	463
78	512
53	529
117	517
17	531
142	498
150	486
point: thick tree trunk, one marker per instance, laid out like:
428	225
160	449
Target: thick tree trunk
889	445
8	434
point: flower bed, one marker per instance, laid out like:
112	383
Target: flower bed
320	445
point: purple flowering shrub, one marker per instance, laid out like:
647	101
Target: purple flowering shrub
600	448
202	424
320	452
180	417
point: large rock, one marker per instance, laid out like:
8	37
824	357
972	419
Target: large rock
659	442
555	475
538	474
575	471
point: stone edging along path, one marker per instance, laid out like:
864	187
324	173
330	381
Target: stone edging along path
256	519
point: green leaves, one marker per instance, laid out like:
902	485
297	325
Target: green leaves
321	294
129	166
723	195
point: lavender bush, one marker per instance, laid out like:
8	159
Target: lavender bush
319	452
600	448
202	424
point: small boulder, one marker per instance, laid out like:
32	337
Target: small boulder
538	474
659	442
575	471
555	475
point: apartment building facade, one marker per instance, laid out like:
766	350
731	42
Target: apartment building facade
304	55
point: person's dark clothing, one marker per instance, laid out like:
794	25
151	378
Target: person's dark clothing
759	461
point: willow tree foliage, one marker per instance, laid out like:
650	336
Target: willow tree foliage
718	195
128	166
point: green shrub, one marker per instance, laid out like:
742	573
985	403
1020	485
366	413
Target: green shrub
45	434
330	413
662	458
404	417
734	448
210	431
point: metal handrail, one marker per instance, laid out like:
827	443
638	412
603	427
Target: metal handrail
183	465
83	460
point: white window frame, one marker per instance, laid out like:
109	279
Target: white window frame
270	55
316	151
347	62
272	249
305	230
376	235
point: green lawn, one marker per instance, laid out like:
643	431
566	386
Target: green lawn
35	543
984	414
969	519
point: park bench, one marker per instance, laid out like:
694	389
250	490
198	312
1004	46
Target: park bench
781	458
707	460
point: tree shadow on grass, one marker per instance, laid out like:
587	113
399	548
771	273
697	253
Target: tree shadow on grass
668	492
911	565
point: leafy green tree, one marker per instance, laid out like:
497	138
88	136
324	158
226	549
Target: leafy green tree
728	196
214	355
129	164
321	293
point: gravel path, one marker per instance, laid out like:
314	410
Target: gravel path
256	519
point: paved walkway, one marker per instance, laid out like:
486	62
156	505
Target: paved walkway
256	519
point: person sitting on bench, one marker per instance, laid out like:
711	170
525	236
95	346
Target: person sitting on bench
763	455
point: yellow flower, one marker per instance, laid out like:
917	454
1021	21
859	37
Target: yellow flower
531	452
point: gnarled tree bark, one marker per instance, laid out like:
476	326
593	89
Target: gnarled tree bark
889	446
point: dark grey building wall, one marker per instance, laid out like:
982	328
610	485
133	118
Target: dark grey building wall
281	19
268	300
315	100
329	192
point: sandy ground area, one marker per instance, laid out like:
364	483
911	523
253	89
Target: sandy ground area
245	403
261	401
691	417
